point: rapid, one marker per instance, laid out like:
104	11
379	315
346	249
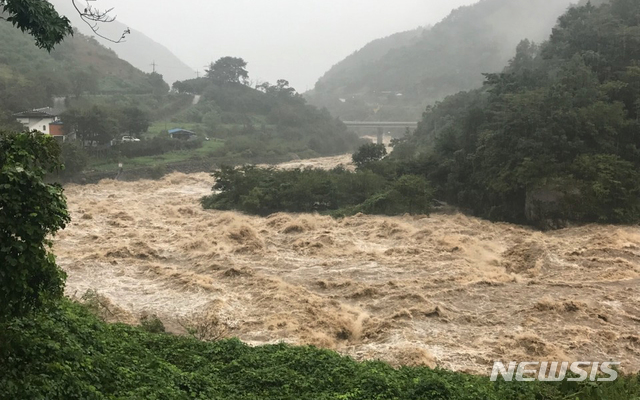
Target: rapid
447	290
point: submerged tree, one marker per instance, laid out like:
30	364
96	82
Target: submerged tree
368	153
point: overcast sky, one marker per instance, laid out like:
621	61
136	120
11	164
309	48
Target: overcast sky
297	40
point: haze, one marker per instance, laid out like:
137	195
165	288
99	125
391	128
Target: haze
291	39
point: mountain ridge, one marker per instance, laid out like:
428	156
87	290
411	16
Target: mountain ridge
138	49
449	57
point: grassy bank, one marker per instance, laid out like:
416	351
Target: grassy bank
207	149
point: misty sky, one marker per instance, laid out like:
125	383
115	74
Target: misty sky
297	40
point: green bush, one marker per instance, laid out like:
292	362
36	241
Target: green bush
30	212
368	153
607	189
67	353
152	324
74	158
265	191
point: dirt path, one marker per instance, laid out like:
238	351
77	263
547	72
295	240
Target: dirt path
453	290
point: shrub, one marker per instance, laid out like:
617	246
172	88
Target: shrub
152	324
67	353
265	191
368	153
608	189
74	158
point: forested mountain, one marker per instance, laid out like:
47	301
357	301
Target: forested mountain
343	72
30	77
555	136
422	66
138	49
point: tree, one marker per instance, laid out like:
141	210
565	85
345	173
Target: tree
40	19
367	153
91	126
30	212
228	70
74	158
158	84
134	121
562	118
415	193
281	88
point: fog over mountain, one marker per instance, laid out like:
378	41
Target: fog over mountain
291	39
138	49
398	76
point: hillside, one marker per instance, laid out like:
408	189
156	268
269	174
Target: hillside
342	73
138	49
30	77
416	71
269	123
554	137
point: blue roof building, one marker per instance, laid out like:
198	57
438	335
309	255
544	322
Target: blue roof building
179	133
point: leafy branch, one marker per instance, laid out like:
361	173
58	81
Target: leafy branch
93	17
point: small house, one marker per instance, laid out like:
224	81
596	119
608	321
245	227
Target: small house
56	129
181	134
39	119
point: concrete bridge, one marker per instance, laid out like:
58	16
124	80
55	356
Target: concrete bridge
381	125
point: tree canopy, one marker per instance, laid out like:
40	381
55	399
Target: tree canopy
560	121
38	18
228	70
30	211
368	153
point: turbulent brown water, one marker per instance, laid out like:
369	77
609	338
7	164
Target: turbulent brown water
449	290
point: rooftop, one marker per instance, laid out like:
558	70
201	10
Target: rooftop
46	112
178	130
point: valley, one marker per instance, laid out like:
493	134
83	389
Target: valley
446	290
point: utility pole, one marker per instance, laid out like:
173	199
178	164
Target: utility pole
198	74
154	66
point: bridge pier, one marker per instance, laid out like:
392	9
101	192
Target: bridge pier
380	135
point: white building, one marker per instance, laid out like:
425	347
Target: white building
38	119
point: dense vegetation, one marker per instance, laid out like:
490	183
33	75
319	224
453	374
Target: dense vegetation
30	212
395	78
552	137
340	192
67	353
268	122
39	18
30	77
52	348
